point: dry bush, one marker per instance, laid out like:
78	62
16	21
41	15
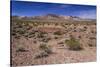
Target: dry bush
41	55
57	33
45	51
17	36
45	48
92	43
55	37
20	48
91	38
73	44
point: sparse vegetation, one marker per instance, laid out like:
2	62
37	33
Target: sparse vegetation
90	45
80	36
46	41
21	49
92	38
73	44
17	36
55	37
61	43
41	55
45	48
57	33
45	51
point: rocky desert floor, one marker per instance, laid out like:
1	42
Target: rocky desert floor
51	43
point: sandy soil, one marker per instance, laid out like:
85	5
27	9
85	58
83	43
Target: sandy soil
60	52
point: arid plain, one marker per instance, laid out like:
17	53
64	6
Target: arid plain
52	40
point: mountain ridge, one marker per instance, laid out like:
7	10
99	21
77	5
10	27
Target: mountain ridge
51	17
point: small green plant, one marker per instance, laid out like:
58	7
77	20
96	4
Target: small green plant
73	44
45	51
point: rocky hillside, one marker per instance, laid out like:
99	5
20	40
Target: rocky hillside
52	17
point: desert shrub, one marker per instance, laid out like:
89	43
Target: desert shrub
66	23
90	45
20	31
26	24
92	31
48	38
85	27
45	51
42	46
92	38
79	36
25	35
35	41
40	35
17	37
45	48
29	27
44	40
61	43
55	37
35	24
48	24
19	26
21	49
13	33
41	55
57	33
73	44
63	26
75	30
56	24
31	34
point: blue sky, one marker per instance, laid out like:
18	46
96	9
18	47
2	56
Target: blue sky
22	8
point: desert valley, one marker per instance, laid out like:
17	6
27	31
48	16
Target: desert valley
52	39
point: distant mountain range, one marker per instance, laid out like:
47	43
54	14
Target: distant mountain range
51	17
56	17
